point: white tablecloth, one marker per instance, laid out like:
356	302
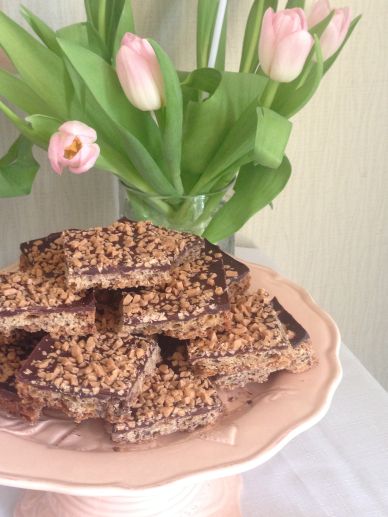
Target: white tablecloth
339	468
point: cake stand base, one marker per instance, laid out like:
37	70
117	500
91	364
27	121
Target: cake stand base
217	498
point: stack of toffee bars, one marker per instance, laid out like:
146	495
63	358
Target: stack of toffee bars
137	325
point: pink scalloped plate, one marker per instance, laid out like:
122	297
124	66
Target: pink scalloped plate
57	455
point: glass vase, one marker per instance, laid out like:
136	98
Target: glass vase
183	213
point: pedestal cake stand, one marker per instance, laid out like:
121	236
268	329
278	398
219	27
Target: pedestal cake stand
74	470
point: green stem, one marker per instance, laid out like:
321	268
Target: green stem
102	20
174	174
269	94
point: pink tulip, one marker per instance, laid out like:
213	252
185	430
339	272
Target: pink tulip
73	147
284	44
335	33
139	73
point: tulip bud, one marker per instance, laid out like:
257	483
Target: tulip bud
73	147
335	33
284	44
139	73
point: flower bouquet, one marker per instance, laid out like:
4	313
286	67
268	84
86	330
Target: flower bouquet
200	150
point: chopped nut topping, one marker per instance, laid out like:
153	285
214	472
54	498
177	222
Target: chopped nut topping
196	288
254	326
22	290
105	363
45	255
171	391
126	246
12	357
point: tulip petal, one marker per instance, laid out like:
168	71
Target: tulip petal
76	128
290	56
288	21
302	18
335	33
84	159
320	10
55	152
267	41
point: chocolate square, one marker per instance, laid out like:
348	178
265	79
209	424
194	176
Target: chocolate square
86	377
194	301
173	399
125	254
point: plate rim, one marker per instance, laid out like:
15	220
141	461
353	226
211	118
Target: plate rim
236	467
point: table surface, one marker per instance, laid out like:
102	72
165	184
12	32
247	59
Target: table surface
339	468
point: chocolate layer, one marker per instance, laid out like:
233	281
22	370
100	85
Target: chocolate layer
12	357
235	271
296	333
85	304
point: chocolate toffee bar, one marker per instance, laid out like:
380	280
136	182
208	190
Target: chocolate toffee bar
236	273
33	302
304	356
252	348
172	400
11	359
125	254
45	255
88	377
194	301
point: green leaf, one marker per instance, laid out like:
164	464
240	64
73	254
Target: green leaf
273	132
172	118
125	24
91	8
194	84
206	18
110	19
329	62
295	3
37	65
255	188
235	150
113	16
41	29
249	56
84	34
203	79
18	169
207	123
77	33
20	94
43	127
259	134
293	96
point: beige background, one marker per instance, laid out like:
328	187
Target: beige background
328	230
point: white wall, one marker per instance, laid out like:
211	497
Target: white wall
328	230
